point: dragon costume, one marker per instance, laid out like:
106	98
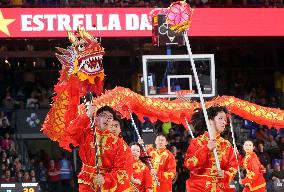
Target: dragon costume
82	72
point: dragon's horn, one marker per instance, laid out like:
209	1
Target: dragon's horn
85	35
72	38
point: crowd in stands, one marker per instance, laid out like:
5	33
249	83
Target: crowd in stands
53	176
138	3
28	93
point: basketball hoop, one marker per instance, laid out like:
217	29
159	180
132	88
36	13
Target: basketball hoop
184	95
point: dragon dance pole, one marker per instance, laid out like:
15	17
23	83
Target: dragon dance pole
143	146
188	126
235	147
201	97
97	147
179	18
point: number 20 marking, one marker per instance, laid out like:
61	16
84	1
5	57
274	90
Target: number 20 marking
28	190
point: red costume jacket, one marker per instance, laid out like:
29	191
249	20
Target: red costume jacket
113	158
254	180
141	172
203	170
164	164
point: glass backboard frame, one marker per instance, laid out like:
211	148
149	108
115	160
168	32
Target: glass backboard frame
148	58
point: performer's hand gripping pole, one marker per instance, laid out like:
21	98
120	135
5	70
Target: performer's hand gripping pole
143	147
201	97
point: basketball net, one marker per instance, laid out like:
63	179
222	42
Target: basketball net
184	95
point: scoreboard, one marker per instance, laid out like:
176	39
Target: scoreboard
19	187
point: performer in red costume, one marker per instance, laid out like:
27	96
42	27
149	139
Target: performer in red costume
200	159
164	164
116	129
141	180
254	180
112	159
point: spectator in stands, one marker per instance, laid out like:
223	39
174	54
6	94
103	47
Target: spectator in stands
19	176
8	102
263	156
274	103
31	165
13	152
281	143
261	135
277	173
4	157
44	100
41	173
53	177
272	148
6	142
3	116
32	101
17	165
276	176
65	173
26	177
252	95
260	91
20	96
7	178
273	132
33	176
43	156
4	128
2	170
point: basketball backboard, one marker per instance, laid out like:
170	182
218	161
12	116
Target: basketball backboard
169	73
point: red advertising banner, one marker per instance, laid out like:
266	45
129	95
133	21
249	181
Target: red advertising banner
130	22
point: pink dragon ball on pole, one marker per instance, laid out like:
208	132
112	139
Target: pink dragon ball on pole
179	16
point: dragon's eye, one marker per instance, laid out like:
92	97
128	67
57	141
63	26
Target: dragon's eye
81	47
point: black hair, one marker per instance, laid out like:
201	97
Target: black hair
105	108
163	135
116	118
250	141
144	159
198	120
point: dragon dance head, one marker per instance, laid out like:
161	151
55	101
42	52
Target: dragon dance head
84	57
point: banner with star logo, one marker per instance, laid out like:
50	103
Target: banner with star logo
130	22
